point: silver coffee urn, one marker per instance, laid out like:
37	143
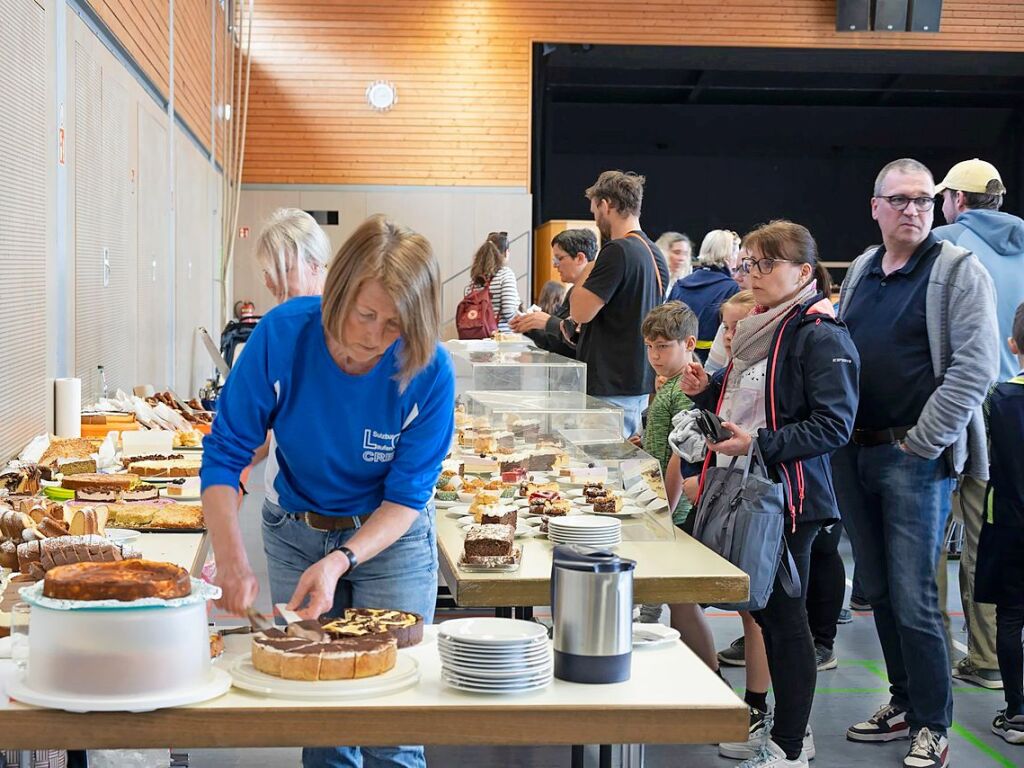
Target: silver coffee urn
592	612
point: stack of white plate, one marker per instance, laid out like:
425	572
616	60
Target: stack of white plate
588	530
489	655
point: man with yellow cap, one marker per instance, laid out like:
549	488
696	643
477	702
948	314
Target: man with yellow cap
972	194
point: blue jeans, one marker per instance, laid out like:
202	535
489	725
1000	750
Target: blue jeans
403	576
632	411
894	507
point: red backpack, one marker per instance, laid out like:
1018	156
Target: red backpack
474	317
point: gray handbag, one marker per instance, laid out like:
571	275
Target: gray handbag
741	516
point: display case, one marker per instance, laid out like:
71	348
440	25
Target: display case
639	476
488	367
573	416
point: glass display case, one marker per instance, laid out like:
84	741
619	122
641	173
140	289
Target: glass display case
484	366
574	416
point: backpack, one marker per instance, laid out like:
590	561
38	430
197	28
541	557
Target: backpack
474	316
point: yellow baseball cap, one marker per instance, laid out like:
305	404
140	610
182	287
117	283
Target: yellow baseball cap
973	176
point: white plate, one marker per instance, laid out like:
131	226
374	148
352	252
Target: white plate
457	510
653	636
120	535
491	683
595	544
446	504
585	523
646	496
486	653
405	674
164	495
658	505
493	631
218	683
469	688
626	511
484	663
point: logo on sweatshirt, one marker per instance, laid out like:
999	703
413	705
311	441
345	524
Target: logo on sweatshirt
379	447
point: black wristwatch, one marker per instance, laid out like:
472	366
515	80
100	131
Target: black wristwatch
353	561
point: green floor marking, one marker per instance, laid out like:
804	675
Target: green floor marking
981	746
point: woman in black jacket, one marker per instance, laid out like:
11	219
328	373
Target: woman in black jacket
791	386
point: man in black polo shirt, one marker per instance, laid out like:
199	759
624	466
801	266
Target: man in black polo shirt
572	250
614	295
922	314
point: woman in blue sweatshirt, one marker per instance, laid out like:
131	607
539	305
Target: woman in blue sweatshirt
359	394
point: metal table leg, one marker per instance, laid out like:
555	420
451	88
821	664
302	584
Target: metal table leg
578	756
524	612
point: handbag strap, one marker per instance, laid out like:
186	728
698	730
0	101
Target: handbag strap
654	259
789	576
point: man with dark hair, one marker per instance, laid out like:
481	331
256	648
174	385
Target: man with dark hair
614	295
922	314
972	194
571	251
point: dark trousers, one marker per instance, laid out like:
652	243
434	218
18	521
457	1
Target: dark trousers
826	586
1009	627
790	647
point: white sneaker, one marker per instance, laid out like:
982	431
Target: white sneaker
928	750
760	726
809	744
772	756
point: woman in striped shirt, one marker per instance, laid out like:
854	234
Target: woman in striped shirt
490	268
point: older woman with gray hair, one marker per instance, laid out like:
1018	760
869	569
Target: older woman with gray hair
293	251
709	285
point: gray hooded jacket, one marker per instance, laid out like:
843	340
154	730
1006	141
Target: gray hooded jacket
962	333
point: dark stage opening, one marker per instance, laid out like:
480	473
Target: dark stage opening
732	137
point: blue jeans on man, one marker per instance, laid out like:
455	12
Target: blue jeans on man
894	507
403	576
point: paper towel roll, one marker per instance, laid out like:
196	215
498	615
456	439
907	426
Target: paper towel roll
67	404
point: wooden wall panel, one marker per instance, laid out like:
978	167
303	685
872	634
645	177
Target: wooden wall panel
462	68
142	27
192	61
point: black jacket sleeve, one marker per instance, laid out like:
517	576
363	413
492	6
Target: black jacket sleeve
550	337
830	368
708	399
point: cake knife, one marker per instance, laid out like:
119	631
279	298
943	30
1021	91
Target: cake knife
258	620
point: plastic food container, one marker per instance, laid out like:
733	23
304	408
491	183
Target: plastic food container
118	651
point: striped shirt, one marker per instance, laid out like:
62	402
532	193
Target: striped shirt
504	297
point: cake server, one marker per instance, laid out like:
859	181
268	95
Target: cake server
258	620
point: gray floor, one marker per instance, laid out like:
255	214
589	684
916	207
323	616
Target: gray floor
844	696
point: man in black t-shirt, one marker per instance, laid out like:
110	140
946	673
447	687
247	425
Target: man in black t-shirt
614	295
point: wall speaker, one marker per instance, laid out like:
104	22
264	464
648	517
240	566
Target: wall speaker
925	15
890	16
853	15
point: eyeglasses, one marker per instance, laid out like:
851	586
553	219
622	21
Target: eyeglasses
900	202
764	266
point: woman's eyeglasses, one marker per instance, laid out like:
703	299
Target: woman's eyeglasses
764	266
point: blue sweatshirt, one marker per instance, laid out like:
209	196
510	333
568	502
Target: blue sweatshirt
703	291
342	444
997	239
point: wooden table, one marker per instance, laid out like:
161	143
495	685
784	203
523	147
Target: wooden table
672	698
671	571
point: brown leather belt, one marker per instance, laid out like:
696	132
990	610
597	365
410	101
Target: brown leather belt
869	438
334	522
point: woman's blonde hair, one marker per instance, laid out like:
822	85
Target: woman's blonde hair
290	237
717	248
742	299
404	264
487	260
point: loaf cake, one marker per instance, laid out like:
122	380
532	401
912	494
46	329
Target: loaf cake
499	516
95	480
488	541
124	581
76	466
276	653
63	449
20	478
35	558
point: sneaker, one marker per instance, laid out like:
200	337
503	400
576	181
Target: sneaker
826	658
809	749
887	724
859	604
845	617
760	725
929	750
772	756
987	678
735	655
1009	729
